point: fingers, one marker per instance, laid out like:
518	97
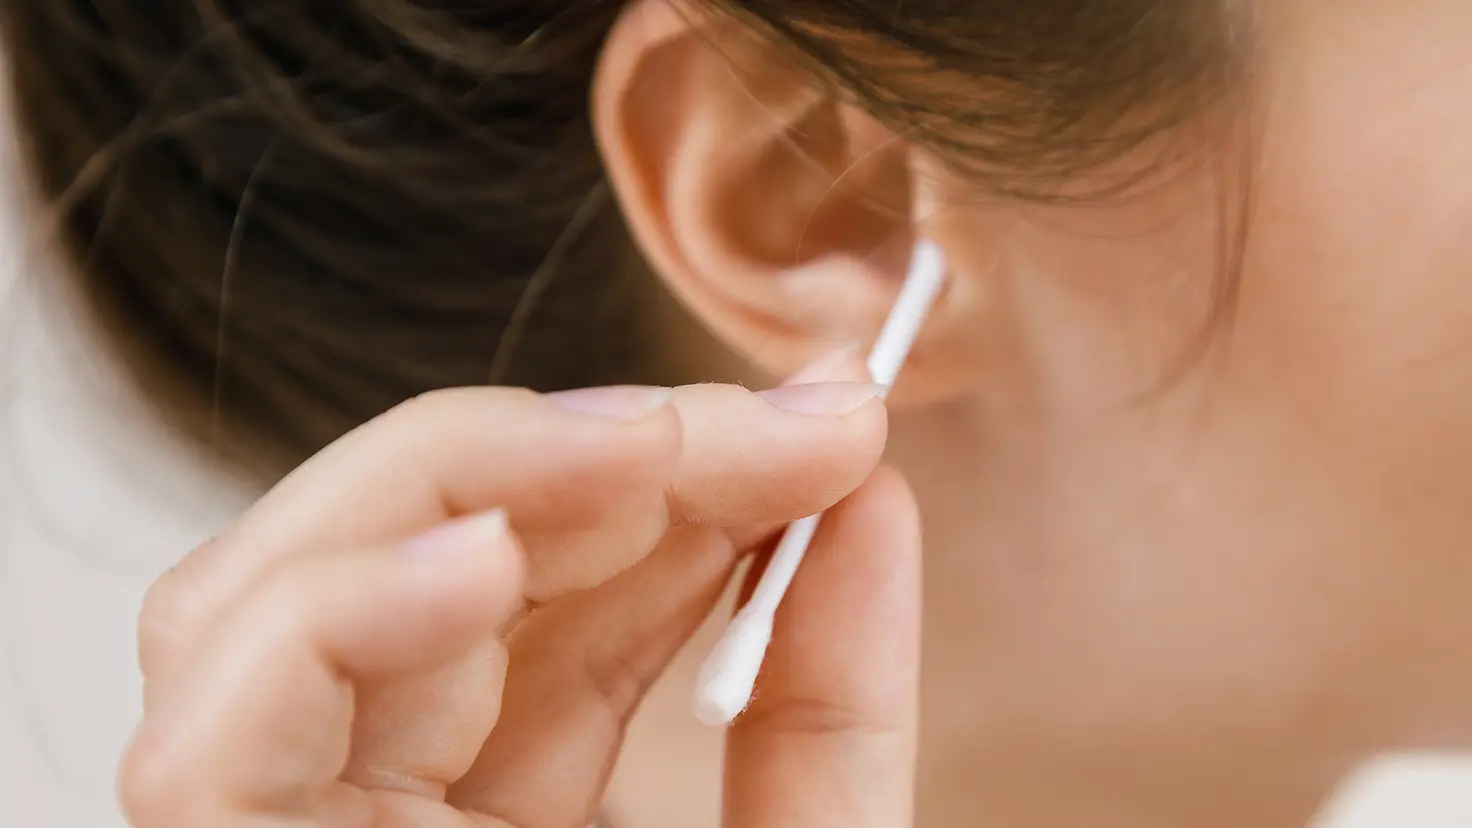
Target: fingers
467	450
579	669
259	722
438	456
588	492
774	456
829	739
419	733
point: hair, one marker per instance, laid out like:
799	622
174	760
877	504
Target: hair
290	215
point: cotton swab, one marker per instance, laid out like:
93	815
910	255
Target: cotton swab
724	685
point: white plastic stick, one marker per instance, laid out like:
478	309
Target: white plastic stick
723	688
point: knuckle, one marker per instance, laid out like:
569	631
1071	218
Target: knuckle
150	785
429	404
677	511
160	622
174	603
441	404
618	683
818	718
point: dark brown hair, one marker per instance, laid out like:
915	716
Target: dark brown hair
289	215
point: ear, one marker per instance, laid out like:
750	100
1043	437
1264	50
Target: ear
777	214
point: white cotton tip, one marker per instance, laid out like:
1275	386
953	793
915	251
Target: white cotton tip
723	688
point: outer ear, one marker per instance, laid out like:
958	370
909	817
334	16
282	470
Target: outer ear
779	216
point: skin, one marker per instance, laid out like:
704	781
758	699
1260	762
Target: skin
1196	602
1197	606
341	656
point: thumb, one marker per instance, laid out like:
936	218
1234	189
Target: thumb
829	739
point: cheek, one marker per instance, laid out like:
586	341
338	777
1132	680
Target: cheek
1357	297
1361	257
1276	570
1276	551
1349	390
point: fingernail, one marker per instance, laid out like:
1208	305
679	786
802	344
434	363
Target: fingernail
823	367
827	399
463	536
624	402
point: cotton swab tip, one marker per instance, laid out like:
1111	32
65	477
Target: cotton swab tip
726	680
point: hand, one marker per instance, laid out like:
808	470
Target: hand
341	657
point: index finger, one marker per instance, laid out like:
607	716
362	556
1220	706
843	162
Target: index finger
589	493
717	454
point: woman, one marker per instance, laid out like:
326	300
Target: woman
1187	431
